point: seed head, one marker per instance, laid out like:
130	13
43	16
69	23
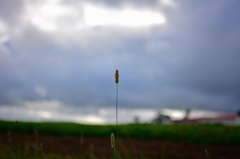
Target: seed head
116	77
112	137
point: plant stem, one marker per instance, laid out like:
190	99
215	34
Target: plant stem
116	81
116	116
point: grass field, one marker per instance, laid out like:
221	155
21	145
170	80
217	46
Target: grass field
139	139
205	134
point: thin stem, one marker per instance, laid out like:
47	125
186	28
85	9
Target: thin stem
116	81
117	116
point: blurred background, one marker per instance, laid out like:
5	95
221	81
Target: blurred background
58	59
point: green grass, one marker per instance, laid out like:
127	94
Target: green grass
25	153
203	134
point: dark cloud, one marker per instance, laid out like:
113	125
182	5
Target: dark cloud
207	55
11	11
191	62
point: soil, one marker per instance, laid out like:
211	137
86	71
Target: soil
128	148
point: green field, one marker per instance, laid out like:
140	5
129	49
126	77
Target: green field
203	134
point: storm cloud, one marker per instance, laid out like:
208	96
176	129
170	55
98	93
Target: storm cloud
186	56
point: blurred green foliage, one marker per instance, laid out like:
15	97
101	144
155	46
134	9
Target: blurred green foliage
203	134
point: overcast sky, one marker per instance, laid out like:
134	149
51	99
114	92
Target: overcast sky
58	57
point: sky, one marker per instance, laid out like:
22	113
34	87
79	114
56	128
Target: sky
58	59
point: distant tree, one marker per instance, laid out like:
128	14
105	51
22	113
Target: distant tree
162	119
187	112
136	120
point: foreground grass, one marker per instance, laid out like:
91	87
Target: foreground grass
203	134
26	153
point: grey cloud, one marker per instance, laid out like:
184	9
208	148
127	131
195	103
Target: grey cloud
203	63
207	56
198	68
11	11
118	3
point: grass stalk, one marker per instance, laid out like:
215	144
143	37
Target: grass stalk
116	81
208	155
